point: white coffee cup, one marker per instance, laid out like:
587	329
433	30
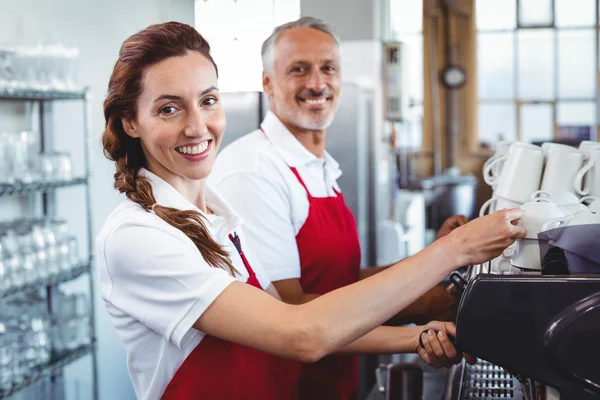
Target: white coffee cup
497	203
587	180
562	165
524	253
566	201
501	149
536	214
521	173
585	145
583	217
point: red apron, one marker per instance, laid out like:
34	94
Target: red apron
330	259
218	369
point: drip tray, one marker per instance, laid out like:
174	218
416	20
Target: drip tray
484	381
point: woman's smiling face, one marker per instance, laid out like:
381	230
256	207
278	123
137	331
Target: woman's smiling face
179	121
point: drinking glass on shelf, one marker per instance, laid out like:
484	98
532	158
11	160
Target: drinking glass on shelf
34	261
61	163
24	156
82	319
6	67
5	279
5	159
45	241
59	227
12	258
73	251
46	166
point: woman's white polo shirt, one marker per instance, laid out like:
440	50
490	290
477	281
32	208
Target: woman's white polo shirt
155	283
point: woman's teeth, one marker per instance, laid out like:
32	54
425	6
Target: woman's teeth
315	102
193	149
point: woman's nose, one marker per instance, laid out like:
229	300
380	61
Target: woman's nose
195	124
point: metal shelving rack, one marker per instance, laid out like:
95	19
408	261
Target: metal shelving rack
58	361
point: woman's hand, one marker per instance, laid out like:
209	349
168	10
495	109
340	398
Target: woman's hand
437	350
485	238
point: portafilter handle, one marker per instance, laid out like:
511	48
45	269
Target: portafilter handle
459	282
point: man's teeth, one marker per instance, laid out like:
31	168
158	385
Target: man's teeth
193	149
315	102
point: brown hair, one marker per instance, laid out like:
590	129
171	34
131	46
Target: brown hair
138	52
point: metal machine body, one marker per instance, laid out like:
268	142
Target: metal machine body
544	329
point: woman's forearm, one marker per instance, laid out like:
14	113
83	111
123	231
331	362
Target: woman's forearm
350	312
324	325
386	340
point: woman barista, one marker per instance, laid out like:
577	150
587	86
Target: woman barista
194	310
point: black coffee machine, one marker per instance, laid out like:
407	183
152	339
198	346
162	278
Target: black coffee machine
542	329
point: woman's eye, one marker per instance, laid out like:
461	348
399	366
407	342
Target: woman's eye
209	101
168	110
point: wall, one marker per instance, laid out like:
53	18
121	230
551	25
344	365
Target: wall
97	27
353	19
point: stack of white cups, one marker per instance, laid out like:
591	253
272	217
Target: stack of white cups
546	182
513	176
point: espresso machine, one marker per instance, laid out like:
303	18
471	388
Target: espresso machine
536	336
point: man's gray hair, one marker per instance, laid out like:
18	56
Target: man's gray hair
268	47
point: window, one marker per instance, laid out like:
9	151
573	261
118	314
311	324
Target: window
236	30
406	25
536	67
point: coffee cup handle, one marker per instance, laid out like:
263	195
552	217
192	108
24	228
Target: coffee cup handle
514	248
535	196
578	182
487	170
506	271
485	206
488	161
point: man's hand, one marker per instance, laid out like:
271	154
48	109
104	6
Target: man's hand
440	305
437	350
451	224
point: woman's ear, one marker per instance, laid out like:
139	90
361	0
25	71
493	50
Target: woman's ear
129	128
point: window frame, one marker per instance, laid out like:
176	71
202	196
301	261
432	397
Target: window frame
518	103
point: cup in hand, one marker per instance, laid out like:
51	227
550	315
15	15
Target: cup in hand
536	214
587	179
562	165
521	173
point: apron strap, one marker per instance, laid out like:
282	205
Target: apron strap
235	239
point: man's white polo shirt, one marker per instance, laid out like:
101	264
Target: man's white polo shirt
155	283
253	174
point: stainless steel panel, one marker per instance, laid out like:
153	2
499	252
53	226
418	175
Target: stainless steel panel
243	113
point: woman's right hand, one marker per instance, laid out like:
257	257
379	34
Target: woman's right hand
485	238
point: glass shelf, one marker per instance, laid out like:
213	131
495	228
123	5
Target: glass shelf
51	369
49	281
33	187
31	94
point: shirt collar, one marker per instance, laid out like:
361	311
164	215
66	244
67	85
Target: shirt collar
292	151
223	221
